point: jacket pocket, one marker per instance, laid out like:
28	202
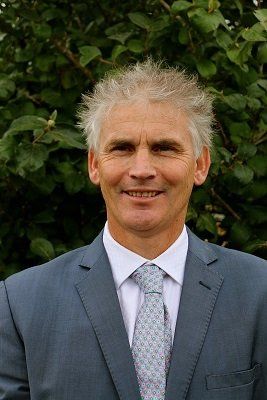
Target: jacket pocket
233	379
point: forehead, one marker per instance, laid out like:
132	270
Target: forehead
146	116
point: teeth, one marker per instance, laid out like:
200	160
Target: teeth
142	194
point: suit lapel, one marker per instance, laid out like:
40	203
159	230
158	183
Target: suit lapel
200	290
100	300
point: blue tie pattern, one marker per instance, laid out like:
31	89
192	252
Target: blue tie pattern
152	339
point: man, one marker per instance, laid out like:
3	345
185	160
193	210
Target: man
147	311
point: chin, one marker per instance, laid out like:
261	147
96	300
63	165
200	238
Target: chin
144	225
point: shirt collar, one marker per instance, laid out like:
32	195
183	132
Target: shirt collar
124	261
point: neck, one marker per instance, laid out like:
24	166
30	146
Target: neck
146	245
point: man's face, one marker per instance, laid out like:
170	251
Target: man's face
146	168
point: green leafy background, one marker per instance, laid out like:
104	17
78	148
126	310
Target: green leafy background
51	52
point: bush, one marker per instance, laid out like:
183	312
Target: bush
51	52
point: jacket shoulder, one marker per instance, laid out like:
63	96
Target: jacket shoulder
227	261
237	257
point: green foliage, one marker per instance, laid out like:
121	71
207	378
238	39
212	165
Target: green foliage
51	52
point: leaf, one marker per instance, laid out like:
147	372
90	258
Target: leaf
256	190
246	150
258	164
135	45
7	147
45	183
2	36
52	13
225	153
31	157
43	248
261	15
120	37
68	136
241	129
7	87
74	183
240	232
243	173
239	5
213	5
44	217
120	32
44	62
236	101
66	169
73	180
117	28
254	90
254	34
88	53
159	24
69	79
206	222
223	39
53	116
262	53
252	103
262	83
240	53
191	214
117	50
42	31
52	97
206	22
183	35
179	6
27	123
206	68
22	55
257	214
140	19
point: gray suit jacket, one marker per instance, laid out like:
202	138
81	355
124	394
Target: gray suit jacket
62	335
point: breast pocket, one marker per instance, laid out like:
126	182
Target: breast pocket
233	379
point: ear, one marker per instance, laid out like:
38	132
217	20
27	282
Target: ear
202	167
93	167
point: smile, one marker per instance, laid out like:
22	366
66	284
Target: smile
142	194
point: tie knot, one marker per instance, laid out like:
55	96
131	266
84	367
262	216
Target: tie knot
150	278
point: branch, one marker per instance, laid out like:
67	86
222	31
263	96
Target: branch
102	60
168	8
225	205
73	59
165	5
34	98
260	140
225	139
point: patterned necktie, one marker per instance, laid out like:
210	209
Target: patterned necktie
152	339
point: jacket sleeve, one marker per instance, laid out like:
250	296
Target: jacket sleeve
13	371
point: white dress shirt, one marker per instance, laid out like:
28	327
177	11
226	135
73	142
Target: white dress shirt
124	262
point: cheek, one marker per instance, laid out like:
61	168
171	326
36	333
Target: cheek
180	175
110	175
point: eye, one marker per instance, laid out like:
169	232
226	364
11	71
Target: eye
163	148
121	148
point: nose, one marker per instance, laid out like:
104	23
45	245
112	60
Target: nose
142	166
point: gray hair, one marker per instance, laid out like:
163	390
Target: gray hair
152	82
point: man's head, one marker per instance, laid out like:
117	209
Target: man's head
149	134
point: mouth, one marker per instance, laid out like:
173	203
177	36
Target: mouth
142	194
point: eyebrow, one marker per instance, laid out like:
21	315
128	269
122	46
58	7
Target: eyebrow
167	142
